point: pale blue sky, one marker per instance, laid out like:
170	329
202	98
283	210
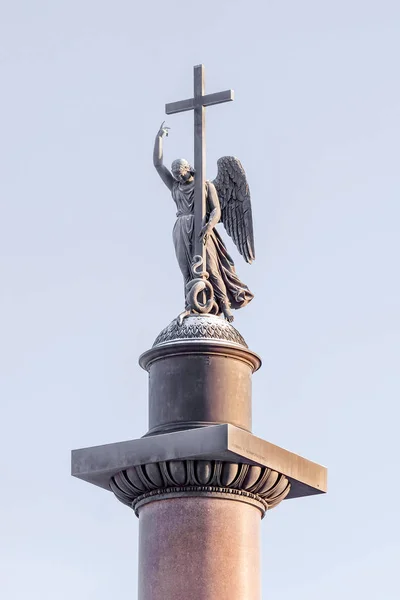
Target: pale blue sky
88	273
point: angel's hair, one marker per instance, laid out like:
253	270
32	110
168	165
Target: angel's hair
182	162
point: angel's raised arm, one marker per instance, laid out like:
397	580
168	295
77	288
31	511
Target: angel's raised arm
158	161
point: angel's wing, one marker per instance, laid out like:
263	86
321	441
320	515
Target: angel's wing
234	196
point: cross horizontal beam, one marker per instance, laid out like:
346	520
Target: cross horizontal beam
192	103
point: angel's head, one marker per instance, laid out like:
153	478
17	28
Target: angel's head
182	170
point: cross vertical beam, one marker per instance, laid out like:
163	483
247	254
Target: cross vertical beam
198	104
199	161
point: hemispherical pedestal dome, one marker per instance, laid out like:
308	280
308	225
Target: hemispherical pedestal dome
202	328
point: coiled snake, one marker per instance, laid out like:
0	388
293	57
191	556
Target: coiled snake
197	286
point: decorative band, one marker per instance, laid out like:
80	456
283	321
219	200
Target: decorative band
201	490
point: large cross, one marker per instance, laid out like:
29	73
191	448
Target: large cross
198	104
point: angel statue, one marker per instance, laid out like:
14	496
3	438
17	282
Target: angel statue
228	201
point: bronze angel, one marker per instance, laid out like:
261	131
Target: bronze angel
228	201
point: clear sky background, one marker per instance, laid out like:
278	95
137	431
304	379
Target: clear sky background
88	274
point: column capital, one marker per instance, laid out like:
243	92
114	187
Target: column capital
252	484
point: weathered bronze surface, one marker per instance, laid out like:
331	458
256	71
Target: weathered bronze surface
210	280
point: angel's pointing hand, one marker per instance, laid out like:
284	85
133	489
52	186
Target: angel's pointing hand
163	131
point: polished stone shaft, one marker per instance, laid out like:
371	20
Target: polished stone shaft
199	548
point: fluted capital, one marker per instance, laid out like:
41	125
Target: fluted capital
260	486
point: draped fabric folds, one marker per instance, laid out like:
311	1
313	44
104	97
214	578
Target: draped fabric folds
228	289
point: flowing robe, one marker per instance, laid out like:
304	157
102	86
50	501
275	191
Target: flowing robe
228	289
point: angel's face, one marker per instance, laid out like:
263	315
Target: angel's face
181	170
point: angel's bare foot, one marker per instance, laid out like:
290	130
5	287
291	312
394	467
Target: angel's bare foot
228	314
179	318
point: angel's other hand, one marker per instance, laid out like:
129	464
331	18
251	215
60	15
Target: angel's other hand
204	233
